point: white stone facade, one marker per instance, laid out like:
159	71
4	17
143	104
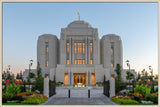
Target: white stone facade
93	58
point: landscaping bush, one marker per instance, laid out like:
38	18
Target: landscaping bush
19	98
4	99
123	101
35	99
59	83
151	97
38	84
12	88
99	83
11	91
138	95
144	90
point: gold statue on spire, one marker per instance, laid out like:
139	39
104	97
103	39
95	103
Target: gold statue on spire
79	16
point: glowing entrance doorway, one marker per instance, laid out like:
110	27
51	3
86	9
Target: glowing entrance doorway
79	78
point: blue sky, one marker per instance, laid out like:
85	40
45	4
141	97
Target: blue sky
135	23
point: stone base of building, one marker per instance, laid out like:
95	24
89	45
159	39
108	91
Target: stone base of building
73	74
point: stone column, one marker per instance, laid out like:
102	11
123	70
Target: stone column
72	51
46	87
87	78
89	51
90	73
71	78
86	61
112	87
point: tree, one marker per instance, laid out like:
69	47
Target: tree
119	85
18	76
129	75
21	75
39	74
39	80
31	75
138	76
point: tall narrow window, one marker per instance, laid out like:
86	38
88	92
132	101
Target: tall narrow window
67	61
46	49
83	48
91	61
67	47
112	54
75	61
75	48
47	54
91	47
83	61
47	63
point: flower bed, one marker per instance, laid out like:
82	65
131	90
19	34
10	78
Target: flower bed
35	99
123	100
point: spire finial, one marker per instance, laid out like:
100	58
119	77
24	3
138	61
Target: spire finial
79	16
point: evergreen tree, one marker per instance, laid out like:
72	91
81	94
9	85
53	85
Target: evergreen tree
21	75
39	70
39	80
129	75
18	76
138	76
119	85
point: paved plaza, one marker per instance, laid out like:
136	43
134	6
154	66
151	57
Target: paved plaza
79	96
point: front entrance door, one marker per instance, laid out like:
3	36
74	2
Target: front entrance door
79	78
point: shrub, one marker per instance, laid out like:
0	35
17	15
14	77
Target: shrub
12	90
19	98
123	101
4	99
28	93
99	83
151	97
38	84
35	99
138	94
144	90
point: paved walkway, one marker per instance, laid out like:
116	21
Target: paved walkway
79	96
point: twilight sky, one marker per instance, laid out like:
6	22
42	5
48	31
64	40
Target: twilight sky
135	23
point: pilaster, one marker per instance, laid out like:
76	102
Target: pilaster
86	60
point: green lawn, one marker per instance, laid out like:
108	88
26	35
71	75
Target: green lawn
16	104
139	104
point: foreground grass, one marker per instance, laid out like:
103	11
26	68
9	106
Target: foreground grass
17	104
139	104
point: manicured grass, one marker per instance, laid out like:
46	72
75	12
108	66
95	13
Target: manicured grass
16	104
139	104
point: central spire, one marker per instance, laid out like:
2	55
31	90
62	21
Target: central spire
79	16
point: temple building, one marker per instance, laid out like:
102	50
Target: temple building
79	56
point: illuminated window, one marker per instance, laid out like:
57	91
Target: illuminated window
91	48
112	54
111	65
79	47
83	47
79	61
83	61
47	63
46	49
91	61
75	48
111	51
75	61
67	47
112	76
67	61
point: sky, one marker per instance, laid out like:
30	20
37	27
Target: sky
135	23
